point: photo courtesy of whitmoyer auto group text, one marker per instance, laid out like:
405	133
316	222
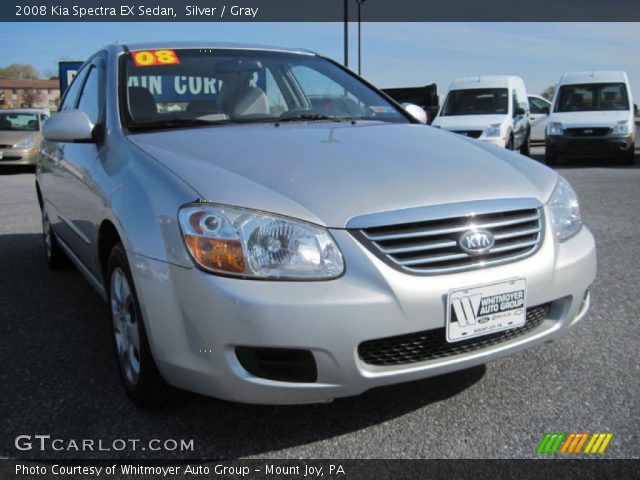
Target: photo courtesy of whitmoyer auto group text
337	239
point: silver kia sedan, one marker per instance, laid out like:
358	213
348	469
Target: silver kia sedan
267	227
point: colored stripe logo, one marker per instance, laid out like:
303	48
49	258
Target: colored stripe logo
573	443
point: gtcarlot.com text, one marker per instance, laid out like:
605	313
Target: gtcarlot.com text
45	443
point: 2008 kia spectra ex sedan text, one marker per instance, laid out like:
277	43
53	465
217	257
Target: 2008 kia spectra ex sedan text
267	227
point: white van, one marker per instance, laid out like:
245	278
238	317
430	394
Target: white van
493	109
593	116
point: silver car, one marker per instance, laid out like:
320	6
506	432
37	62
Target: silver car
267	227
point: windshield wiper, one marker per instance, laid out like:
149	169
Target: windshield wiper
313	117
176	123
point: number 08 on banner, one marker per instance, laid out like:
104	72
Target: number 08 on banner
148	58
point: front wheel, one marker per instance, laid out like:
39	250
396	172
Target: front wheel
628	158
550	159
53	253
509	145
138	370
525	148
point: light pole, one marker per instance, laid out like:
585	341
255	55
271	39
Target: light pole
360	2
346	33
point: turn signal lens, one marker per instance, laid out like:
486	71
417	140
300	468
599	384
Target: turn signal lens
225	255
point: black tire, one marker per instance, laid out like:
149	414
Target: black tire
146	388
509	145
525	148
550	159
54	255
628	158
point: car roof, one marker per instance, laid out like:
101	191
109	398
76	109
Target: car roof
482	81
167	44
595	76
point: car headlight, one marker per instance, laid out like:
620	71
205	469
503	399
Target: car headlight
565	210
621	129
26	143
555	128
493	130
249	243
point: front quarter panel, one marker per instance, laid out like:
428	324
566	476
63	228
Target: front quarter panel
145	207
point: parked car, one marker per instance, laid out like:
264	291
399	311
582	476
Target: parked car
593	116
267	227
539	108
493	109
20	135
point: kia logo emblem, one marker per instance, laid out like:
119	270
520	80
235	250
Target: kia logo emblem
476	242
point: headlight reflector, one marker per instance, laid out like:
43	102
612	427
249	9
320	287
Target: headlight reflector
493	130
621	129
555	128
24	143
250	243
565	210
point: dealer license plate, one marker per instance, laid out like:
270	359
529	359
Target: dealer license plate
482	310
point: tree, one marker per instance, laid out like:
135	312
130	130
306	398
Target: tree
31	98
549	92
19	70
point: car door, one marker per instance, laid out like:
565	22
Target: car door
538	117
75	196
519	123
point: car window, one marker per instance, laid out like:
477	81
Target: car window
24	122
89	101
71	95
476	101
536	105
592	97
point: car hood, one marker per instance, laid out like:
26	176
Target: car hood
590	119
328	173
468	122
11	137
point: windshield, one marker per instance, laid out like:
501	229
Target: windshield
592	97
24	122
477	101
188	87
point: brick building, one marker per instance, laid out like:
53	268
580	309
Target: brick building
20	93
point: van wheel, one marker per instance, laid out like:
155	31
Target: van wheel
550	159
628	157
525	148
509	145
138	372
53	253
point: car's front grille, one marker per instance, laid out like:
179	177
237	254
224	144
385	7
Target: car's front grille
6	146
433	246
587	132
432	344
469	133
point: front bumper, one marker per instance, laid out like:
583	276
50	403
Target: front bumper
13	156
196	320
609	146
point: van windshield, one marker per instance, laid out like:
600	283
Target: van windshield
183	88
477	101
592	97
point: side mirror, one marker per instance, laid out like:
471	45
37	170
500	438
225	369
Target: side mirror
416	112
545	110
519	111
635	109
72	126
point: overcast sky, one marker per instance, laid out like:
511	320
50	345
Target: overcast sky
394	54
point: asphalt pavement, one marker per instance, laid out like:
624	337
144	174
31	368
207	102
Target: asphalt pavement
59	378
